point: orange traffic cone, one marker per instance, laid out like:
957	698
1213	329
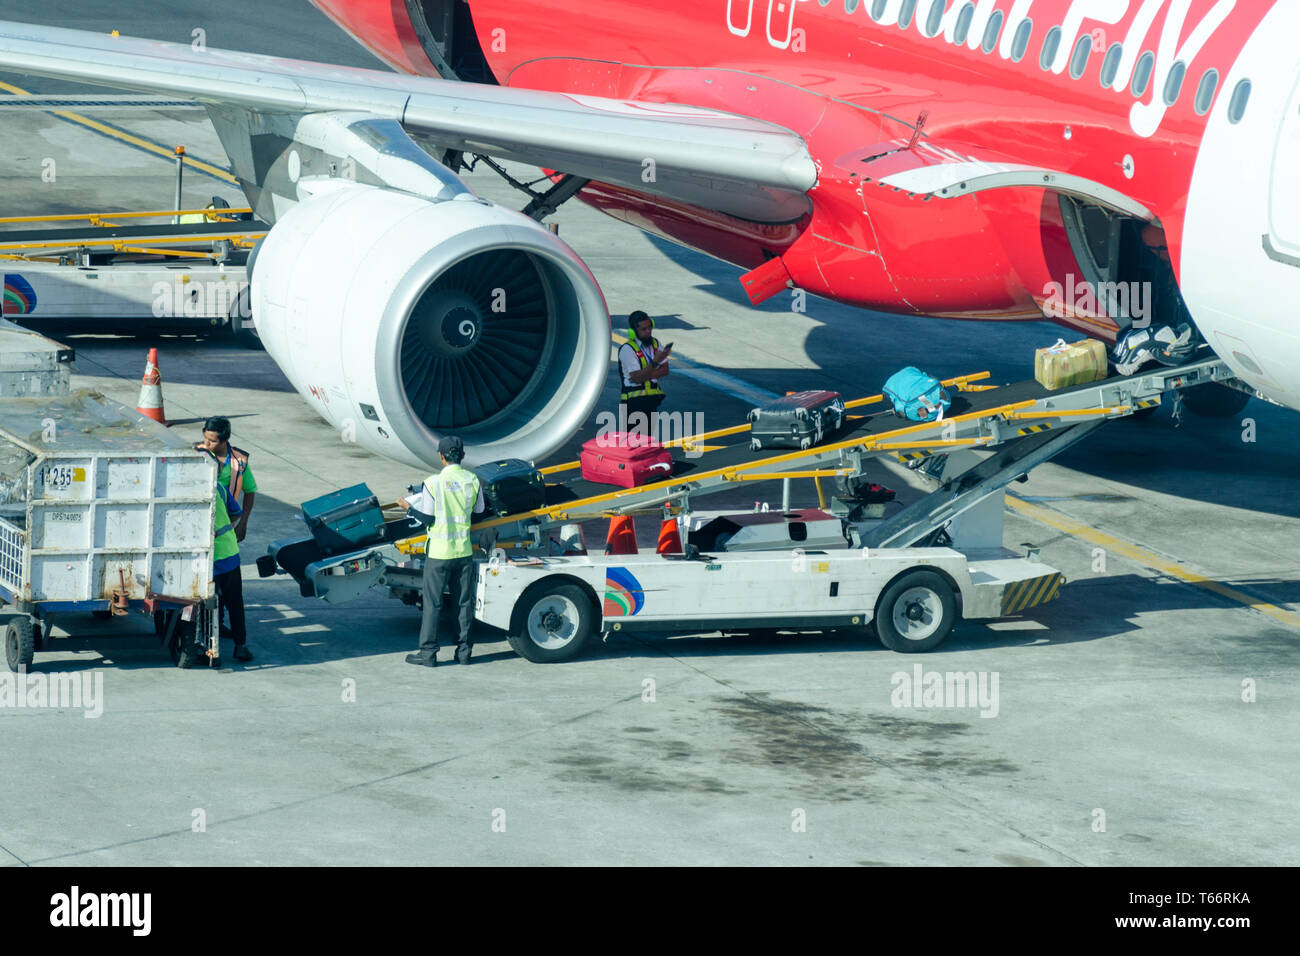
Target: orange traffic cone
670	538
622	536
151	399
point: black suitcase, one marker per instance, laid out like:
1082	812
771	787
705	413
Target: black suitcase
345	520
511	486
796	421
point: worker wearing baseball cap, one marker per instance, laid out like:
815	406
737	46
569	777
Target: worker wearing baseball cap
445	505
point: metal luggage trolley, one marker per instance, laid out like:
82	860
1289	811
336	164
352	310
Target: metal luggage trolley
102	510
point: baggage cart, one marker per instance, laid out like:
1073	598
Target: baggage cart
101	510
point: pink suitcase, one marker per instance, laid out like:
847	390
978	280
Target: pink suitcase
625	459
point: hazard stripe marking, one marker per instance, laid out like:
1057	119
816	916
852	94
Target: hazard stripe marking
1023	595
1011	596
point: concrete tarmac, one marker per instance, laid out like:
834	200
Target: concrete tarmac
1145	718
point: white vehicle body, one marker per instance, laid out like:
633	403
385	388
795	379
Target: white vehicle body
184	294
812	590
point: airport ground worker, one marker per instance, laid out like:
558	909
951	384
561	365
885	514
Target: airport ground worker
445	505
233	471
642	364
236	480
226	573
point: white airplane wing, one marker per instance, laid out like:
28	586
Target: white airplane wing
718	160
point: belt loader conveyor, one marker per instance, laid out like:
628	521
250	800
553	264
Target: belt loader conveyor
896	573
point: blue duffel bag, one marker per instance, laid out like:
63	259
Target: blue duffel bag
916	396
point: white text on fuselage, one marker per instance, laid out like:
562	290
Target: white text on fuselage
1130	22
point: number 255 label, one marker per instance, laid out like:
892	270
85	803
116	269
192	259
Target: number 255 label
61	477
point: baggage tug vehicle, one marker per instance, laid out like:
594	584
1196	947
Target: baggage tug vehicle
910	576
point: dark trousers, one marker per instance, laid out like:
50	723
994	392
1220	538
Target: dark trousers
647	405
230	598
458	575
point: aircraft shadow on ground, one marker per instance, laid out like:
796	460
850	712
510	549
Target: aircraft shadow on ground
182	359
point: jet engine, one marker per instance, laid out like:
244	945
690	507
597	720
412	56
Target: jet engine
401	319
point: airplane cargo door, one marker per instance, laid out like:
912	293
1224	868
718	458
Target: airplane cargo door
1284	191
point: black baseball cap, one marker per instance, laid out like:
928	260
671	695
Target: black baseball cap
449	444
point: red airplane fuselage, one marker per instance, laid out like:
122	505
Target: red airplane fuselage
852	86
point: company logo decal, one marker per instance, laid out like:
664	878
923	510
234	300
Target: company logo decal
623	594
20	297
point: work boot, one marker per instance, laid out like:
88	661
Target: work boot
462	654
242	653
421	660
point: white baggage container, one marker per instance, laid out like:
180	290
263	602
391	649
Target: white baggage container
31	364
100	507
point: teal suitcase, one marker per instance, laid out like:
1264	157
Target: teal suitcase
345	520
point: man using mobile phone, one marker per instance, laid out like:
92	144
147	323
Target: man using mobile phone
642	364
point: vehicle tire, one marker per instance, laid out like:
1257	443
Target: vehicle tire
245	333
38	636
552	623
916	613
20	643
1214	401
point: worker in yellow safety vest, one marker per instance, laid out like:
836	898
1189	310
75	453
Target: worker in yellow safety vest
642	364
445	505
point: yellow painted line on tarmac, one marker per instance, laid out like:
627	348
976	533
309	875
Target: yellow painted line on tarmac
1148	558
122	136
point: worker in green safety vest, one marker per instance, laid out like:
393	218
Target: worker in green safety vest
236	478
226	574
445	505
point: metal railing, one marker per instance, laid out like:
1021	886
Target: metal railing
13	546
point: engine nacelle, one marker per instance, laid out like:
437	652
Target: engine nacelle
401	320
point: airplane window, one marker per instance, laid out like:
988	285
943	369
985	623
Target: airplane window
1142	74
964	18
905	14
1205	92
1020	46
878	10
935	19
1240	97
992	32
1051	43
1110	65
1174	84
851	6
1079	60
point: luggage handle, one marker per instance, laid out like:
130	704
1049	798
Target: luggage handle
344	511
